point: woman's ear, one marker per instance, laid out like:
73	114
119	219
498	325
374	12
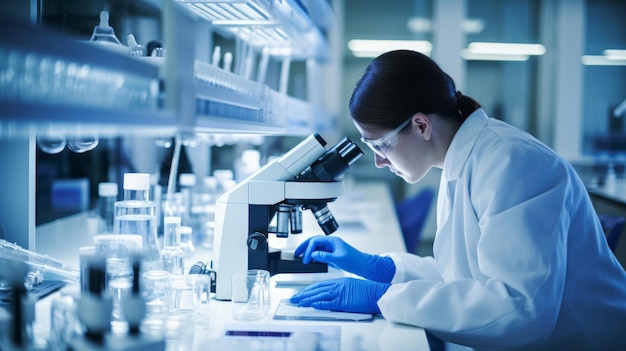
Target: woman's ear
423	124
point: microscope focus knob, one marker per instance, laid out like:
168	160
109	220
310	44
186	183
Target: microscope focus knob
257	242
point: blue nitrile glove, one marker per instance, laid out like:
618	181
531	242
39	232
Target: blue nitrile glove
333	250
342	294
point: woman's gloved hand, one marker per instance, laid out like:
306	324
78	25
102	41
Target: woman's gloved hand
342	294
333	250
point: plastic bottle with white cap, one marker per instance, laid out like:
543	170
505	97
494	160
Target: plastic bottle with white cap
136	215
107	196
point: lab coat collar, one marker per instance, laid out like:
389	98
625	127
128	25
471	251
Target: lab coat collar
462	144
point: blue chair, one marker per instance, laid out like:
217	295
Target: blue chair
613	226
412	214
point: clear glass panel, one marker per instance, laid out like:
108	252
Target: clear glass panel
604	86
503	88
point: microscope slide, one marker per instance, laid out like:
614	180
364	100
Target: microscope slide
289	311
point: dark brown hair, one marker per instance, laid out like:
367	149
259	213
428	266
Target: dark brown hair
400	83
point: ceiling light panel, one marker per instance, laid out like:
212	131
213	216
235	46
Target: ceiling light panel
506	48
373	48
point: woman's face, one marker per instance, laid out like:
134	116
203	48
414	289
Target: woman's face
412	156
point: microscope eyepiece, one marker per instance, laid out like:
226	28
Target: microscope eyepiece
329	168
333	163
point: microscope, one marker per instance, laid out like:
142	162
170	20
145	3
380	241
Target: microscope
306	178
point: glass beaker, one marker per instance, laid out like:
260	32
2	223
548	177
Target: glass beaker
119	274
156	290
250	291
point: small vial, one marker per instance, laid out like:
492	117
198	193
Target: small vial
107	196
172	254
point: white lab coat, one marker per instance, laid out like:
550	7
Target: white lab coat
520	258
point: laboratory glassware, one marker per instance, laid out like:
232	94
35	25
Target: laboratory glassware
104	33
118	250
135	49
51	143
64	323
94	307
172	254
249	292
81	143
186	241
136	215
43	265
200	285
156	290
187	184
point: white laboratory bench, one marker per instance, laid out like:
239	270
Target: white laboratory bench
367	220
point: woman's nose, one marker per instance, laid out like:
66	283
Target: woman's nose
379	161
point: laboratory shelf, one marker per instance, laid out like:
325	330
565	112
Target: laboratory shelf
282	26
50	81
227	102
53	83
22	119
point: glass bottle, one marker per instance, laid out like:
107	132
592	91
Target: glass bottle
135	214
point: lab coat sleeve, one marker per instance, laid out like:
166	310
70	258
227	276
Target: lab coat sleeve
512	298
412	267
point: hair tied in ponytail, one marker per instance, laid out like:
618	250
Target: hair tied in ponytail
458	95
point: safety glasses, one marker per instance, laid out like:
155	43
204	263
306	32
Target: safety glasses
382	145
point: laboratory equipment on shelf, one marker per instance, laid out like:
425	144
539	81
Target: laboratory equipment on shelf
103	32
306	177
104	35
134	49
136	215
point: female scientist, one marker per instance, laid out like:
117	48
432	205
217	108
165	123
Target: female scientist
520	260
